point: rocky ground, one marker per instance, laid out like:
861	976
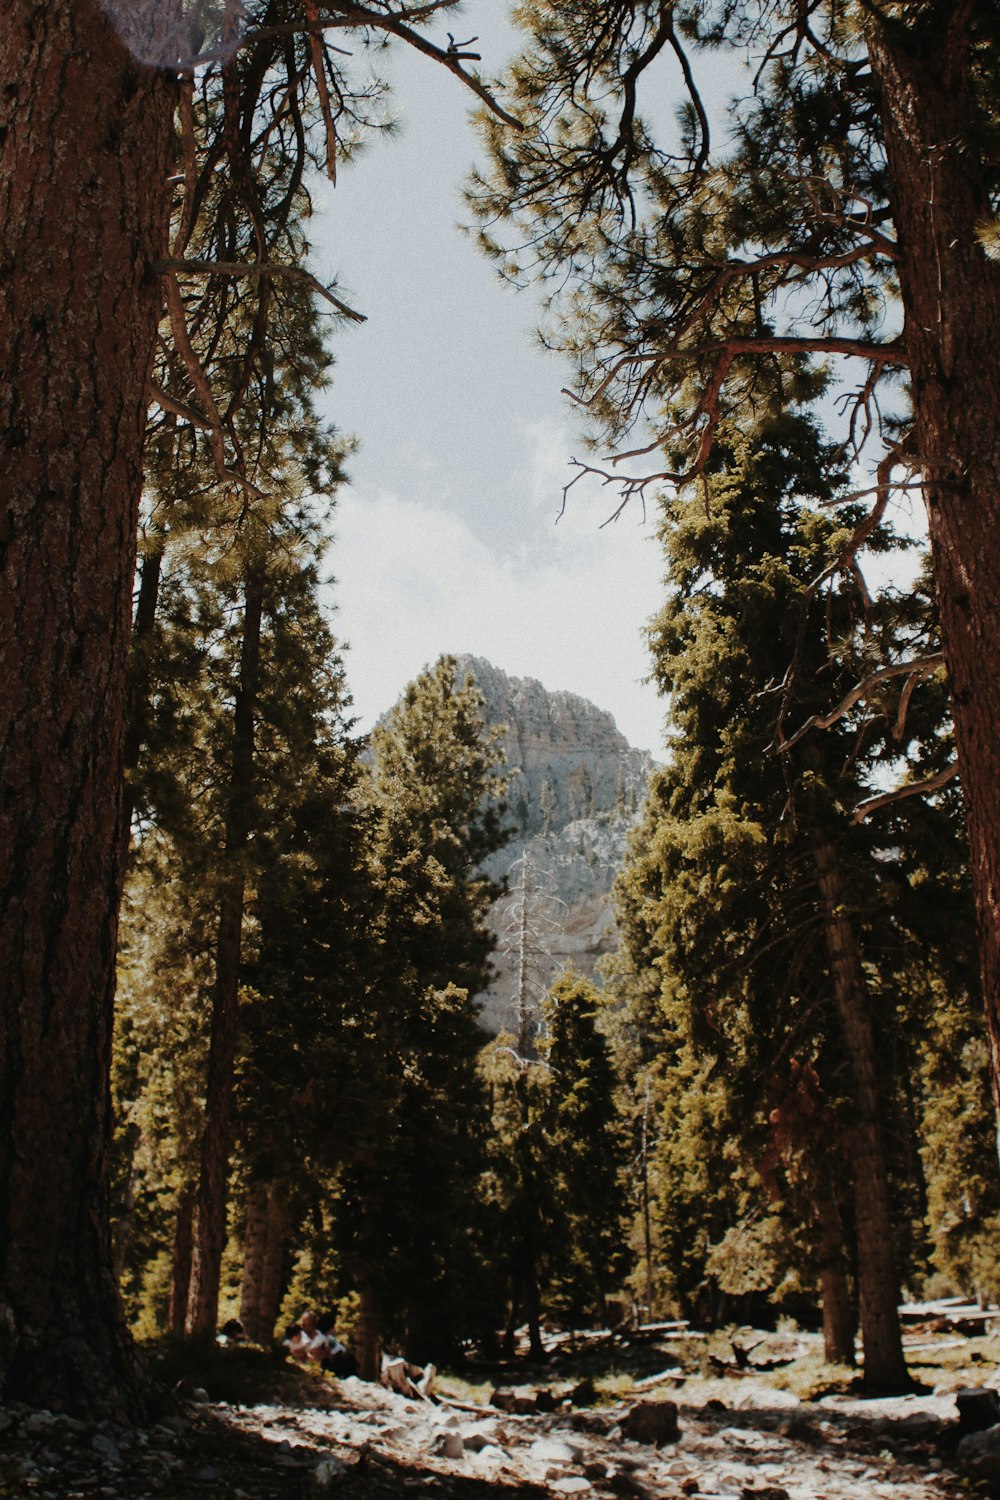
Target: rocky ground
703	1425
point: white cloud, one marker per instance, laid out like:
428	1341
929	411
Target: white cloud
567	606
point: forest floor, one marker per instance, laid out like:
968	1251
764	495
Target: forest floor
663	1414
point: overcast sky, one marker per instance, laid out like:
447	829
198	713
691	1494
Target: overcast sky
446	536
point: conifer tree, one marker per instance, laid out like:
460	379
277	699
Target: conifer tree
586	1141
90	170
748	889
292	793
847	214
414	1114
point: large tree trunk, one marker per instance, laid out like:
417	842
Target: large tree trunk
878	1287
951	299
85	149
213	1183
263	1260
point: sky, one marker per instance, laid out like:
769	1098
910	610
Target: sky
447	536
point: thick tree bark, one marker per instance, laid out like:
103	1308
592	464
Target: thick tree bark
263	1260
939	186
85	151
878	1287
213	1182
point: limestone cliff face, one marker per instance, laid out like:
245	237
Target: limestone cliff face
576	787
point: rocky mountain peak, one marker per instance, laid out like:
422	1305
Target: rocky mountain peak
576	787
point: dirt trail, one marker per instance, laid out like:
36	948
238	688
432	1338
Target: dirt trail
696	1418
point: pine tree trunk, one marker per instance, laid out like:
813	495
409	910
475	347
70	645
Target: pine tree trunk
940	195
878	1288
510	1328
85	150
180	1280
366	1335
263	1259
137	700
839	1322
213	1183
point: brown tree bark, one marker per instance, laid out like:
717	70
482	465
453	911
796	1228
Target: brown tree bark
840	1323
85	152
263	1258
137	697
213	1182
878	1287
366	1334
939	190
180	1280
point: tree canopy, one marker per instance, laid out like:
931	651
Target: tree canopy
846	218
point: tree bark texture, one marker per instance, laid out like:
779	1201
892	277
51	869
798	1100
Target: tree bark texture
951	300
85	152
213	1182
366	1334
840	1323
180	1280
878	1287
263	1260
137	701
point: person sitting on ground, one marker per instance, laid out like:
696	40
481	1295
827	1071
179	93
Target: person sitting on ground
337	1359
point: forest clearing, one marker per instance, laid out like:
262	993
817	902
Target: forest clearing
591	1423
258	1071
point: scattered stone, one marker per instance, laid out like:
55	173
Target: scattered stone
978	1408
327	1473
763	1492
450	1445
570	1485
38	1422
491	1454
522	1400
597	1422
652	1422
978	1454
628	1486
109	1451
475	1442
549	1450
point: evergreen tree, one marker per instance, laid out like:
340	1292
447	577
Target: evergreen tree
414	1107
88	176
849	214
773	923
291	795
556	1159
586	1142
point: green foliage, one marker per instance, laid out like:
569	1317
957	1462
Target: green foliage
586	1153
724	972
410	1097
556	1161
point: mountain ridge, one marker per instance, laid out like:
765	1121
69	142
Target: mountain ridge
576	789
